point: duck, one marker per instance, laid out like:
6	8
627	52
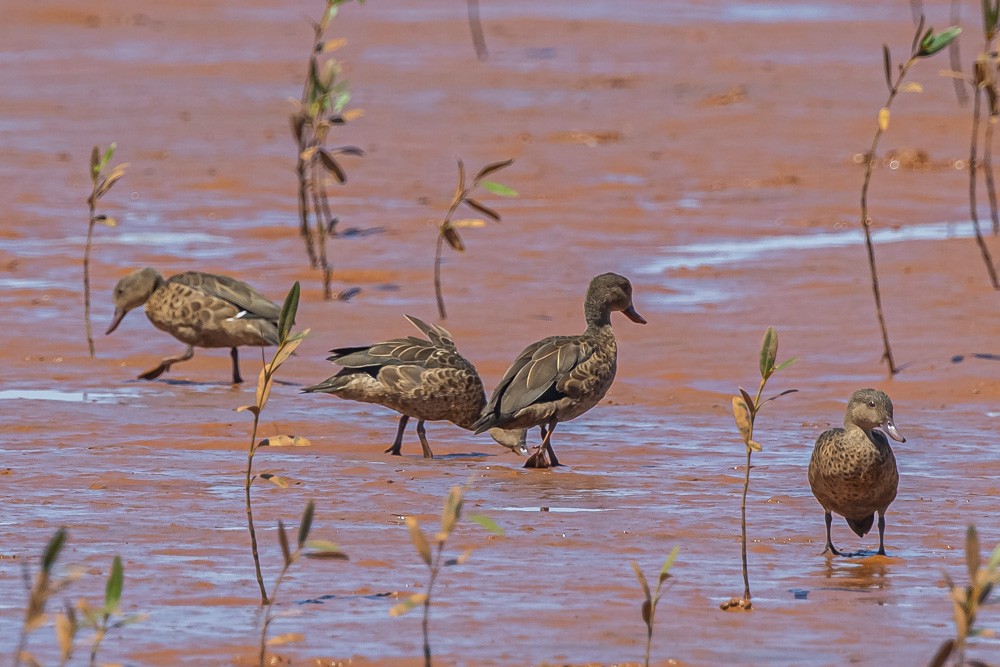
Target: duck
424	379
560	378
199	309
853	470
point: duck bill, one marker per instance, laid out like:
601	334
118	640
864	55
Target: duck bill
119	316
513	440
634	316
890	428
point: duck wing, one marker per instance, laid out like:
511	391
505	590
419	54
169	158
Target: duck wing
538	375
233	291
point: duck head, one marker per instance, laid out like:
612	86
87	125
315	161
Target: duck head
871	408
513	440
607	293
132	291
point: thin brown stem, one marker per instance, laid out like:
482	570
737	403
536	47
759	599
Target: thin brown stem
866	221
315	177
253	534
973	169
304	230
442	313
86	274
743	527
266	623
435	568
991	188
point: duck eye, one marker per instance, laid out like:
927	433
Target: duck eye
871	404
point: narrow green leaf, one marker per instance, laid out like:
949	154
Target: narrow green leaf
452	510
95	161
409	603
642	581
498	189
108	154
306	524
785	364
286	552
887	62
665	569
113	590
768	352
491	168
742	415
482	208
972	556
52	549
932	43
288	310
419	541
487	523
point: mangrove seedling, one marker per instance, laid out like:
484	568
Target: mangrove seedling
925	45
320	549
433	557
966	602
984	84
448	228
42	588
745	410
287	342
652	599
322	105
101	184
105	617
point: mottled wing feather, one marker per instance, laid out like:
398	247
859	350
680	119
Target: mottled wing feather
401	380
438	336
234	291
538	370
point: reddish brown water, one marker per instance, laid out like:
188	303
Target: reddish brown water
704	149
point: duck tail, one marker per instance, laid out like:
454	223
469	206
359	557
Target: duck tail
861	526
484	423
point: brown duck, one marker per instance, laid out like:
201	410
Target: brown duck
200	309
853	470
425	379
561	377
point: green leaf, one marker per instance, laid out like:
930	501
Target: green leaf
768	352
286	552
972	556
113	590
990	13
482	208
642	581
408	604
452	510
932	43
52	549
487	523
785	364
742	416
498	189
419	541
665	569
288	310
491	168
995	558
108	154
306	524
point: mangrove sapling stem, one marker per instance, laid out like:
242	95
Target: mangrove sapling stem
249	507
866	221
746	489
973	169
86	274
435	569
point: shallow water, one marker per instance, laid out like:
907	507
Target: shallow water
729	211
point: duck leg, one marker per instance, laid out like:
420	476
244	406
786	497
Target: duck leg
881	534
544	456
422	434
235	356
166	363
397	445
829	543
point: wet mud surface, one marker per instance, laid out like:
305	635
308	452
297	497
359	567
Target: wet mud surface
705	150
